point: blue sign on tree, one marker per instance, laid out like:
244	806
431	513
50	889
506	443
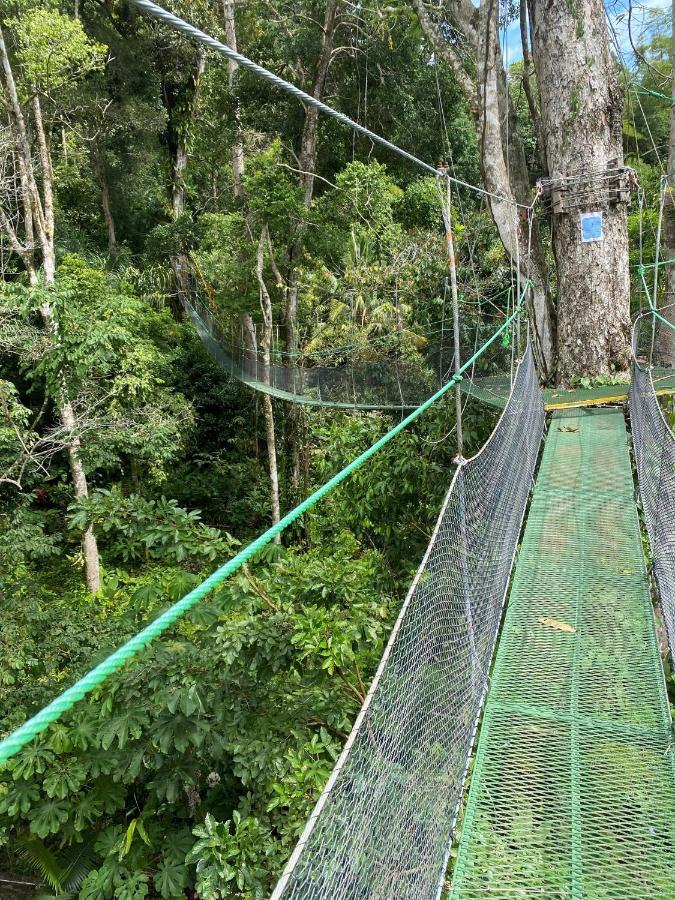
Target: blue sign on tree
591	227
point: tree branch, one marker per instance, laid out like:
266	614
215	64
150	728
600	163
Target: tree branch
444	50
660	75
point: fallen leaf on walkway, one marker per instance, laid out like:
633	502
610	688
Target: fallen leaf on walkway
554	623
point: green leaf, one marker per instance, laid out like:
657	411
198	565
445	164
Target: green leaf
140	827
48	817
128	838
21	797
171	879
62	780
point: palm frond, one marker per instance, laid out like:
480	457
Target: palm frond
42	861
65	872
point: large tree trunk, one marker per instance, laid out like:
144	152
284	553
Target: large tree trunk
505	173
581	107
503	162
666	335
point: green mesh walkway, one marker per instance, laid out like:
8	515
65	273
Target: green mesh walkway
573	794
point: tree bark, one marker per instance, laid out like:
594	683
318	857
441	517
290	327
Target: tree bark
89	544
503	164
581	106
310	128
31	201
78	475
666	335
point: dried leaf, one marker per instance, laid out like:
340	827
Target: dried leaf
567	428
554	623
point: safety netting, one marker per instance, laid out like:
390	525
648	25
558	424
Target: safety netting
654	446
380	377
382	827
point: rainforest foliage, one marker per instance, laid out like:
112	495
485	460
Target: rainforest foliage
191	772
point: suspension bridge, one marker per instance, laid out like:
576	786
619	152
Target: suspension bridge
390	382
554	646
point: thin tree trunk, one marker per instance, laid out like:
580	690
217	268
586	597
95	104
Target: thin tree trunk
308	164
250	353
532	104
310	128
178	190
272	460
266	344
308	147
666	335
40	221
79	478
29	230
232	74
32	203
181	156
44	155
581	106
89	543
98	165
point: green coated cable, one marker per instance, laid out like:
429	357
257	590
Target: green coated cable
643	90
654	265
11	745
650	300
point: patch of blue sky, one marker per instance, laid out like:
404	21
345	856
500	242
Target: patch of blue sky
617	18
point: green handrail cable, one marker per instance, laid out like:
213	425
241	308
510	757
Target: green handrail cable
650	300
654	265
647	92
11	745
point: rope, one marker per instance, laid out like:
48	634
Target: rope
97	676
201	37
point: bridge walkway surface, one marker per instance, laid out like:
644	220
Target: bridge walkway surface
573	787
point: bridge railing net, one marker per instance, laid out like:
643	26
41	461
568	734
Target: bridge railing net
654	446
383	825
390	380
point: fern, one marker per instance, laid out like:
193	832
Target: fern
64	873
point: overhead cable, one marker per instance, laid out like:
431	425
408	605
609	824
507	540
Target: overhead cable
213	44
